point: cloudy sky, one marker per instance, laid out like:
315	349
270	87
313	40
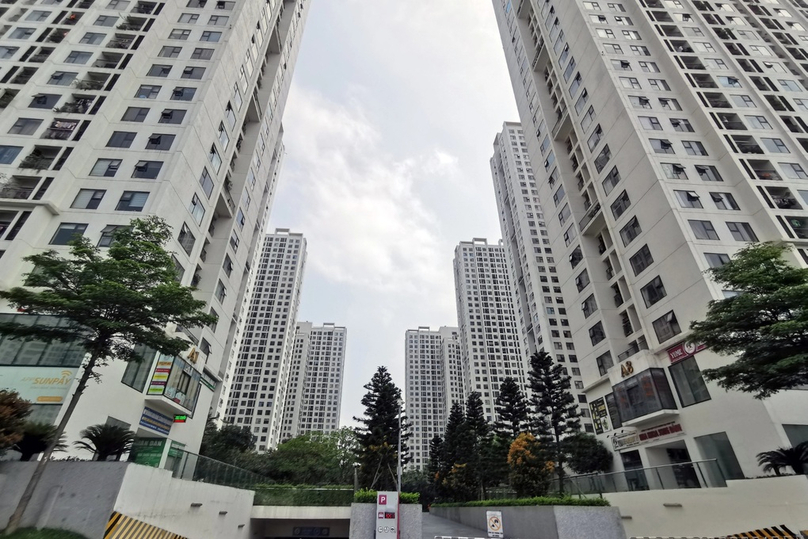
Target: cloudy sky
388	131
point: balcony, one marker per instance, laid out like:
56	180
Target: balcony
39	159
121	42
747	145
77	106
145	7
783	198
132	23
731	122
72	19
589	216
108	60
57	36
718	101
7	98
704	81
41	56
93	81
16	193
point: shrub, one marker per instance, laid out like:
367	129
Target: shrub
369	496
47	533
541	500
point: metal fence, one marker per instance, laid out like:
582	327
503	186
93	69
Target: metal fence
193	467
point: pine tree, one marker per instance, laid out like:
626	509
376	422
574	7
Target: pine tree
512	410
479	443
452	480
555	411
378	437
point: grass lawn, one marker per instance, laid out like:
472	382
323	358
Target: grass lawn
47	533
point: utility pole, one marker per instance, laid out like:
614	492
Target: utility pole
400	405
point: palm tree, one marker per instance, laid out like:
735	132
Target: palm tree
36	437
795	458
106	441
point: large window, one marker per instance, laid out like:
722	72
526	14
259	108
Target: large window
643	394
29	352
666	327
689	382
67	232
182	385
137	372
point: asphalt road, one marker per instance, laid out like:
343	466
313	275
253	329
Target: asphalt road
433	526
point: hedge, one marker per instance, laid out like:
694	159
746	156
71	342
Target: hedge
541	500
369	496
302	495
46	533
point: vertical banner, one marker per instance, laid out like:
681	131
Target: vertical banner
387	515
494	524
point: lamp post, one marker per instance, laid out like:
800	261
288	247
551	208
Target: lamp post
356	466
400	406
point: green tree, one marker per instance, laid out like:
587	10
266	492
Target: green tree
110	303
36	439
378	435
313	459
530	468
435	465
13	411
795	458
765	325
480	443
420	482
556	414
587	454
105	441
226	444
512	410
454	456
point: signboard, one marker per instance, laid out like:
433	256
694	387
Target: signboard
684	350
157	385
154	420
311	531
387	515
494	523
632	439
176	449
39	385
600	415
148	451
180	418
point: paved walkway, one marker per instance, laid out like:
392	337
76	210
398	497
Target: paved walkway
433	526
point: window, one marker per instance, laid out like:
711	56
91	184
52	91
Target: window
179	34
653	291
147	92
182	93
221	291
688	199
649	67
7	52
186	239
620	205
658	84
703	230
642	394
121	139
170	52
611	180
25	126
708	173
67	232
160	141
630	82
215	159
172	116
240	219
604	363
742	231
613	48
38	16
188	18
21	33
758	122
631	35
193	73
106	20
793	170
716	260
775	145
595	138
674	171
589	306
92	38
650	123
564	214
62	78
224	140
694	147
137	372
234	241
588	118
639	102
639	50
689	382
559	195
147	169
596	333
135	114
158	70
211	36
227	265
206	182
107	235
603	158
629	232
742	101
641	260
78	57
605	33
680	124
621	65
88	199
217	20
669	103
666	327
724	201
202	54
132	201
790	85
105	167
582	280
661	145
197	209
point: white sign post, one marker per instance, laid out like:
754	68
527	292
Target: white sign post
387	515
494	523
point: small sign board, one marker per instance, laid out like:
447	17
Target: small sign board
494	523
180	418
387	515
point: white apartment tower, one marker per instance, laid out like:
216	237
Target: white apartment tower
538	301
433	382
490	341
260	377
666	135
314	392
115	109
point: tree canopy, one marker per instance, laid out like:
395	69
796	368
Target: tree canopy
765	324
512	410
13	411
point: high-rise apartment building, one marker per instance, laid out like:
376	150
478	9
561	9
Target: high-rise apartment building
314	391
257	384
115	109
666	135
433	382
490	341
538	301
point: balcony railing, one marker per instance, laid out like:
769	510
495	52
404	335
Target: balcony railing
589	215
17	193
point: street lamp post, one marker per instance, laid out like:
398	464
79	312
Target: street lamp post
356	466
400	405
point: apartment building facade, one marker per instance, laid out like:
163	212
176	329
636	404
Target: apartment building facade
433	382
115	109
538	300
490	338
666	134
259	381
314	392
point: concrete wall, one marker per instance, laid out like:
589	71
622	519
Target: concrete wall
742	506
77	496
363	521
543	522
153	496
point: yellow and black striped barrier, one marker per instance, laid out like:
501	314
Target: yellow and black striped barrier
124	527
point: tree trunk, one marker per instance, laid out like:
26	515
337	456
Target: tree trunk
16	519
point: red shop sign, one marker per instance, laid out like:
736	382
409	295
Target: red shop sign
684	350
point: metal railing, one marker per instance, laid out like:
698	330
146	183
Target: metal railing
193	467
699	474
